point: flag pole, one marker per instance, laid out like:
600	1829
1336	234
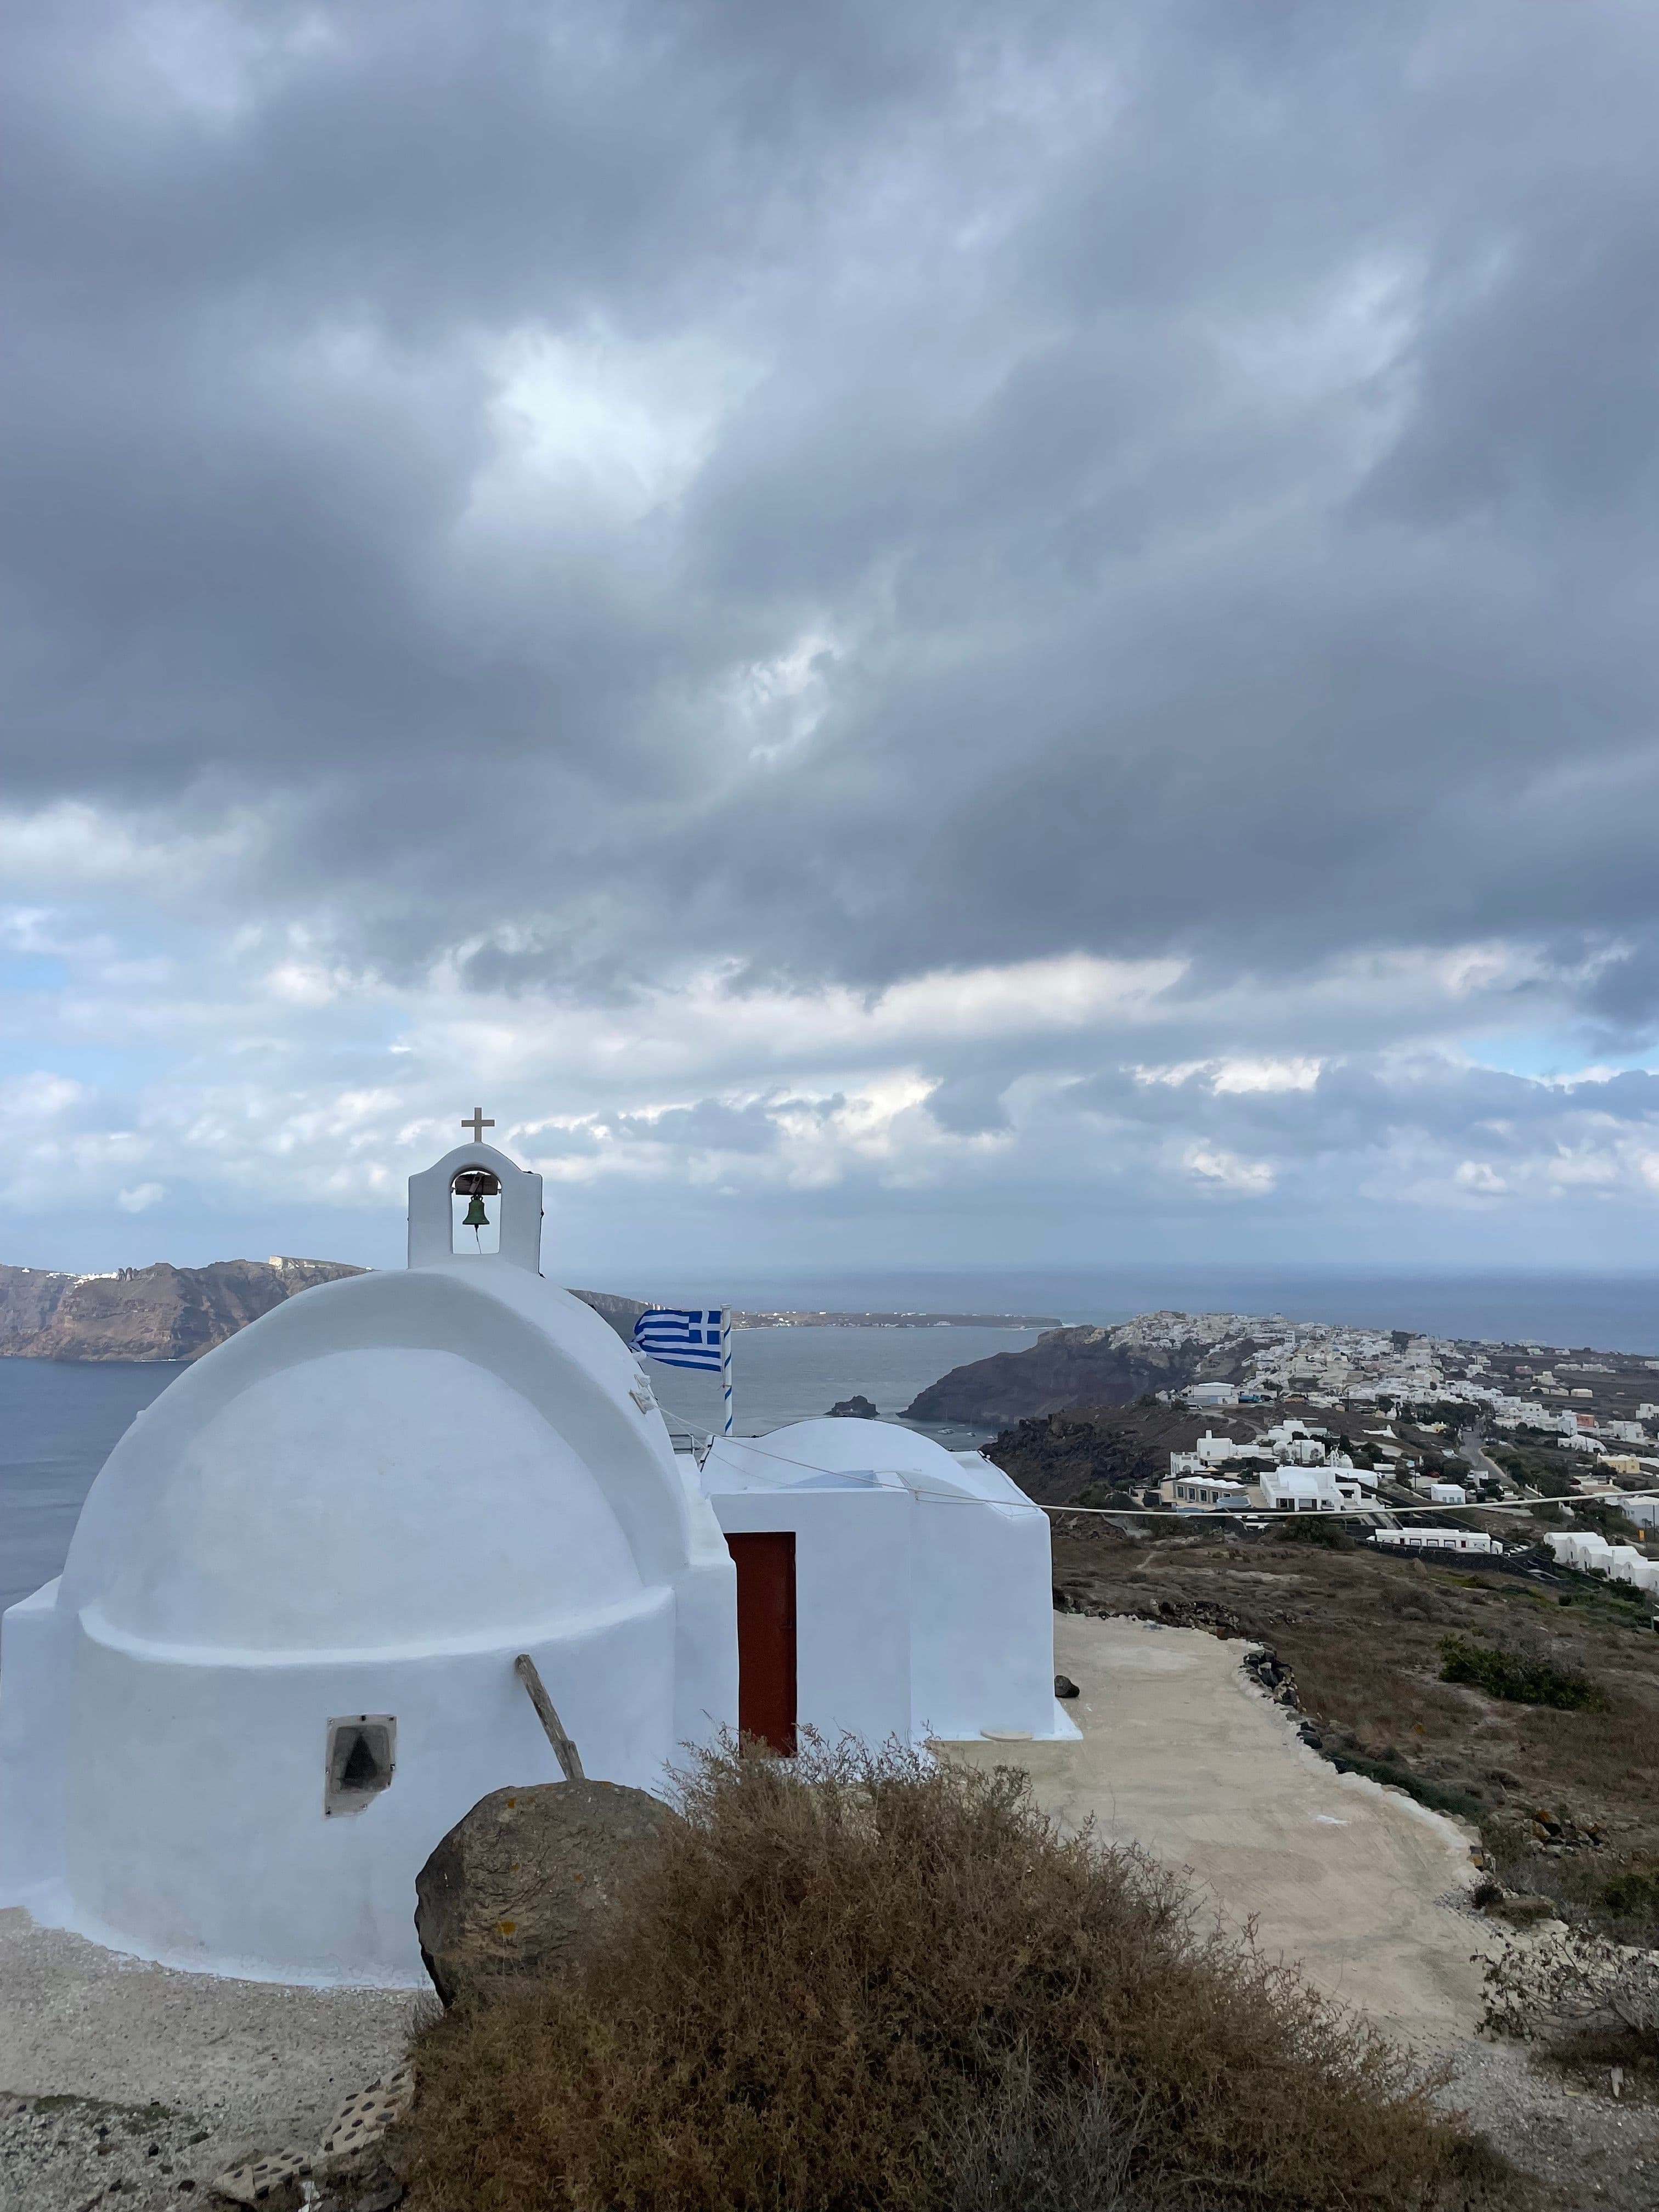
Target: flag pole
725	1365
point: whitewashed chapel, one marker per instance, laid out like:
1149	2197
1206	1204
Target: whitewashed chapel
279	1663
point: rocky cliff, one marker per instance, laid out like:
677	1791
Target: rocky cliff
164	1312
29	1296
1084	1456
1088	1366
621	1312
146	1313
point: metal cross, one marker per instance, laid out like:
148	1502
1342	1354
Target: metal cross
478	1125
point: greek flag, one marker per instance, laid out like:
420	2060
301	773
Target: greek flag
681	1336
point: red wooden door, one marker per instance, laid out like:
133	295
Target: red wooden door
766	1636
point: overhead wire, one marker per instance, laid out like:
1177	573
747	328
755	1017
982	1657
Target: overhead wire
1189	1513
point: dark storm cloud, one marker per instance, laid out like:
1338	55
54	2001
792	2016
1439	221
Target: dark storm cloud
1178	478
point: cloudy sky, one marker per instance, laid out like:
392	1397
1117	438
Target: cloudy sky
984	633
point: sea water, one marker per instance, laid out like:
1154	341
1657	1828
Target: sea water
1614	1312
56	1426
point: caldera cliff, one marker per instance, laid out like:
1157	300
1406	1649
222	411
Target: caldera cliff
146	1313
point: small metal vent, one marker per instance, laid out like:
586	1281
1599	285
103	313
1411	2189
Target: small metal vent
362	1757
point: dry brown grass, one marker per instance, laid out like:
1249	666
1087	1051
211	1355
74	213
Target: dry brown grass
862	1981
1363	1634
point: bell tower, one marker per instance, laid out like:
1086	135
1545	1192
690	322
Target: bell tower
503	1218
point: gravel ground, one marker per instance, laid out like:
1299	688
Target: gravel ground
102	2055
1587	2150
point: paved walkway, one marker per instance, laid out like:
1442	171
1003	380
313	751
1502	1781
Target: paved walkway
1182	1755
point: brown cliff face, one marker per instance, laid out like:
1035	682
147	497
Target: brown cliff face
1081	1455
146	1313
1066	1367
621	1312
29	1296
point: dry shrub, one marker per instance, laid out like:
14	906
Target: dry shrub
862	1980
1561	1985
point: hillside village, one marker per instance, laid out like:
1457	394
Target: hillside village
1594	1407
1412	1439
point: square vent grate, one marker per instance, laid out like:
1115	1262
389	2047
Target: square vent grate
362	1757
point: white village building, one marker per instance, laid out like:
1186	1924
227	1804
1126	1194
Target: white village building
1200	1394
1302	1490
1208	1493
279	1663
1444	1538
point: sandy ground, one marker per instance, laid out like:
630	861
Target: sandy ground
129	2085
1182	1755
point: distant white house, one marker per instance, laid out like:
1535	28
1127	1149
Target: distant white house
1434	1539
1357	1484
1302	1490
1593	1555
1208	1493
1211	1394
1301	1451
1580	1547
1213	1451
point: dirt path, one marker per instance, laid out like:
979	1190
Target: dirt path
1182	1755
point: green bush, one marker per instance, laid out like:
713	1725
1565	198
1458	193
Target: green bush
1325	1529
1632	1896
1395	1774
1521	1678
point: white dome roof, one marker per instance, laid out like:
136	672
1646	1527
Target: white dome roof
394	1460
365	1498
786	1457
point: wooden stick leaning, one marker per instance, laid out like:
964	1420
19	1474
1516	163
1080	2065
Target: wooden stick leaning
569	1759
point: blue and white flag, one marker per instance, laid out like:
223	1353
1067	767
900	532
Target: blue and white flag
681	1336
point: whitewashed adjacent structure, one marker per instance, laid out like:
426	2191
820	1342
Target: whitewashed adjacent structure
279	1663
925	1583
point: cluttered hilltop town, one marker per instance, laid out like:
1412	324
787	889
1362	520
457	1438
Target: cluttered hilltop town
1413	1439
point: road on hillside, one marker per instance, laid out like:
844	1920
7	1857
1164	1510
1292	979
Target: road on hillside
1469	1443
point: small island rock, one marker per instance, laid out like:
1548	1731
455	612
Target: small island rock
520	1887
853	1409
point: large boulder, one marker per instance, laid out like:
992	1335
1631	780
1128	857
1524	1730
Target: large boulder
521	1887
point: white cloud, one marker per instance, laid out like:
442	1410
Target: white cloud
1242	1075
1480	1176
614	425
141	1197
1237	1076
1254	1178
62	848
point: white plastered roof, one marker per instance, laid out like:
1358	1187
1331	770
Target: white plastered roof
395	1460
807	1452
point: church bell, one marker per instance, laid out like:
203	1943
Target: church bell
475	1216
